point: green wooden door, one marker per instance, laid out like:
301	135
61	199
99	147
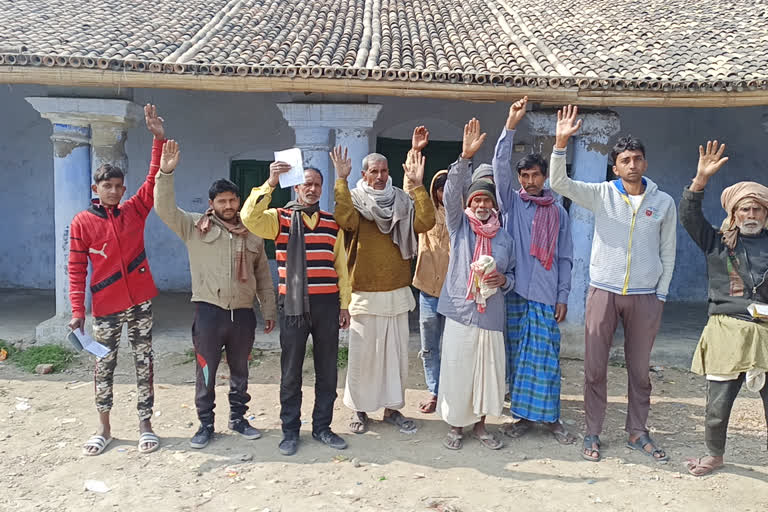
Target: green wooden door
247	174
439	155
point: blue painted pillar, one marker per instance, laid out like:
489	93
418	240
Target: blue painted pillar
72	194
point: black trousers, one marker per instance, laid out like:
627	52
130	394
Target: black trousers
324	328
215	328
720	398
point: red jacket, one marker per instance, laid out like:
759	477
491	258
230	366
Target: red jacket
113	239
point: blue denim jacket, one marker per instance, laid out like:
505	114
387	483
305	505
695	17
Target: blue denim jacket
453	303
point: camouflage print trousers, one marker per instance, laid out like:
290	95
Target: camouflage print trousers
107	330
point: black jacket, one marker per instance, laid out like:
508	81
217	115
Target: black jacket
737	278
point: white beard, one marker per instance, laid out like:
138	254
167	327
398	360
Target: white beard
750	228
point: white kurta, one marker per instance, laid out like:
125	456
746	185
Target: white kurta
471	374
378	350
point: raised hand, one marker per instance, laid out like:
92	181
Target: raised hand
341	162
154	122
567	125
516	113
170	157
414	167
711	160
473	139
275	170
420	138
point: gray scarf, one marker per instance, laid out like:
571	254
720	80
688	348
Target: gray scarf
393	212
296	301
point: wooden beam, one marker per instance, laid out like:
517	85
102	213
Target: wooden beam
77	77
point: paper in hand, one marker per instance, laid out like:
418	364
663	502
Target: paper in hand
296	175
758	310
87	343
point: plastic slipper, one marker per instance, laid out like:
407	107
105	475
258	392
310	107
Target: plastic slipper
98	442
428	406
148	438
589	444
641	442
489	441
406	426
517	429
359	423
563	436
704	468
453	441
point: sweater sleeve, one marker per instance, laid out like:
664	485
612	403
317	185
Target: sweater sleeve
667	250
693	220
456	186
340	264
424	214
182	223
586	195
265	290
143	200
78	267
345	213
260	220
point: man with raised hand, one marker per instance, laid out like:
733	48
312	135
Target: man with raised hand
314	294
229	270
111	236
633	256
381	223
544	257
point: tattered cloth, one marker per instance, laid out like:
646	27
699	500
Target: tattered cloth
731	197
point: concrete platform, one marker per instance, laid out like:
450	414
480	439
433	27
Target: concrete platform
22	310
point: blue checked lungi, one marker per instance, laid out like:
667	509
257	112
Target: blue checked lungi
534	338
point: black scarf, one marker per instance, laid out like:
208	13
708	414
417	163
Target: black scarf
296	301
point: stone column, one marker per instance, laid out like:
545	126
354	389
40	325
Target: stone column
312	123
80	125
590	163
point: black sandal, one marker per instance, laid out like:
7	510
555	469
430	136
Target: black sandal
589	445
644	440
359	423
405	425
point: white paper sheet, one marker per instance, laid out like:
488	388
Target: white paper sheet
758	310
296	175
91	345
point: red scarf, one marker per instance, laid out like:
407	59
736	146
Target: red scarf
484	232
545	228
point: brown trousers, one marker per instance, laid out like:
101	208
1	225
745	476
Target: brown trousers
641	317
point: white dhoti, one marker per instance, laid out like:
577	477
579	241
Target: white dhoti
471	374
377	370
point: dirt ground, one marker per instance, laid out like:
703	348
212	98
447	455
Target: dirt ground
42	468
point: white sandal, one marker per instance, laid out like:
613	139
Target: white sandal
98	442
148	438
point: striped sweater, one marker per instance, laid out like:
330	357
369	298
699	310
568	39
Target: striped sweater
633	251
319	242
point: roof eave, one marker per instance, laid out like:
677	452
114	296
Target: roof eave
463	92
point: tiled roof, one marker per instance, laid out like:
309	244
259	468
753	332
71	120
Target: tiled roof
684	46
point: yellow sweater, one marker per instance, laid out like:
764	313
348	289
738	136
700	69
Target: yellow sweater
375	263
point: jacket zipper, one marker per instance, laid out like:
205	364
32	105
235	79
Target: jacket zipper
123	268
631	233
231	293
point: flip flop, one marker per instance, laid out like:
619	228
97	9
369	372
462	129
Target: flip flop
516	429
589	444
148	438
707	469
453	437
98	442
359	423
641	442
405	425
489	441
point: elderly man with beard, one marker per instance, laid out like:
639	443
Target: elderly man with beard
472	300
381	223
733	349
313	297
544	258
229	269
